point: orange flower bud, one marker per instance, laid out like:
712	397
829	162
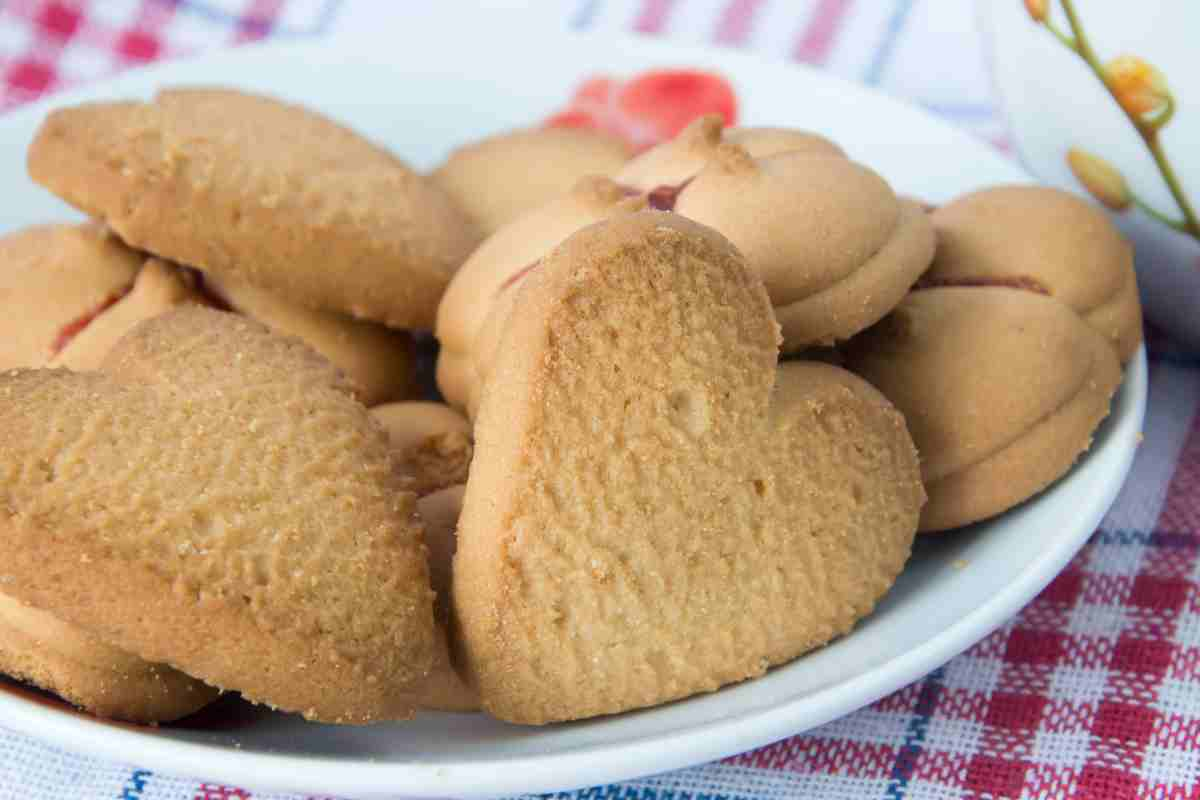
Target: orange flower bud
1038	9
1100	178
1139	88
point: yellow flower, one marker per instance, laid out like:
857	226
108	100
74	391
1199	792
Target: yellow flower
1139	88
1038	9
1100	178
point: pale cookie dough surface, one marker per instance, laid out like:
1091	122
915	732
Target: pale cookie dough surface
834	245
1045	240
444	689
37	647
378	359
678	160
503	177
636	402
1002	389
54	278
215	499
259	190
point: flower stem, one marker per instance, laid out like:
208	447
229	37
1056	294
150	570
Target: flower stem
1177	224
1064	37
1148	131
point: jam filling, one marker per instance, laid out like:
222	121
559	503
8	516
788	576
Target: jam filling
76	326
519	274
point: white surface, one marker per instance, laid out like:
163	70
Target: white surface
1054	102
417	95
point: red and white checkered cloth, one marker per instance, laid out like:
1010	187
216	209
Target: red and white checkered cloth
1092	691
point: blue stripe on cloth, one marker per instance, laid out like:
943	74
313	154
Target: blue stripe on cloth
135	785
883	54
1165	540
219	15
918	727
586	15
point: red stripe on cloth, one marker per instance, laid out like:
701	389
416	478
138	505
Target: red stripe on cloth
653	17
816	40
736	21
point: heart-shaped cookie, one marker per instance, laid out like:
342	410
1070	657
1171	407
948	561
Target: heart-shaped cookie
655	508
217	500
259	190
37	647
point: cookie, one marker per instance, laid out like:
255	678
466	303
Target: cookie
38	648
500	259
444	689
159	287
676	161
54	279
431	443
379	359
1002	389
251	188
1045	240
835	247
763	142
215	499
503	177
656	508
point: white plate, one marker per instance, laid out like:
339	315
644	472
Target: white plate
420	95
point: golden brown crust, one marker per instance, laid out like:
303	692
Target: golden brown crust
1002	389
378	359
263	191
656	510
1048	236
53	277
223	477
503	177
37	647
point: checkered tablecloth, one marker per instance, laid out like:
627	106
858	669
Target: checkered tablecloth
1092	691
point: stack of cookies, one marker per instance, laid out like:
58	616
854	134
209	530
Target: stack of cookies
214	475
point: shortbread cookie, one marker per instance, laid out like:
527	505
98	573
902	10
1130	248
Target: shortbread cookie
379	359
656	509
444	689
252	188
1002	390
37	647
159	288
506	176
54	279
431	443
216	499
1045	240
676	161
500	259
834	245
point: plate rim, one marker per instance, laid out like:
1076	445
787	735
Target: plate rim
692	744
